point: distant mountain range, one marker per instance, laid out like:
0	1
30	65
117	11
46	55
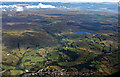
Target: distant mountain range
20	6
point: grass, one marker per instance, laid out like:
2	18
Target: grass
70	63
36	39
17	23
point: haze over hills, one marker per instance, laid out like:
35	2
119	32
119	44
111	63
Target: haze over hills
104	7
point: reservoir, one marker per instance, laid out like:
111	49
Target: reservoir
87	32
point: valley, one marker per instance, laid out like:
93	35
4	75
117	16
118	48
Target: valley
62	42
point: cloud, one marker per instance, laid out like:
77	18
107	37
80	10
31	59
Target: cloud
103	8
19	9
8	6
59	0
40	5
3	10
91	5
32	6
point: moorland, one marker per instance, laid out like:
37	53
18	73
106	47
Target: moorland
62	42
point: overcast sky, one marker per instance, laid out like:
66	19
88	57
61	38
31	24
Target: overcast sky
60	0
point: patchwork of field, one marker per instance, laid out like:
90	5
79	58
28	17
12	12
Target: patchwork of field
50	40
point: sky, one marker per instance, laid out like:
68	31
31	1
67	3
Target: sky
60	0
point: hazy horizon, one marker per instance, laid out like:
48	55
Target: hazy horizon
60	1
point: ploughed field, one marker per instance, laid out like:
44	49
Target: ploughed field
49	40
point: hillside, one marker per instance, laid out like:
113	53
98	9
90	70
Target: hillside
46	41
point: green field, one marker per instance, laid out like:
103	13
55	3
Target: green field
51	41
